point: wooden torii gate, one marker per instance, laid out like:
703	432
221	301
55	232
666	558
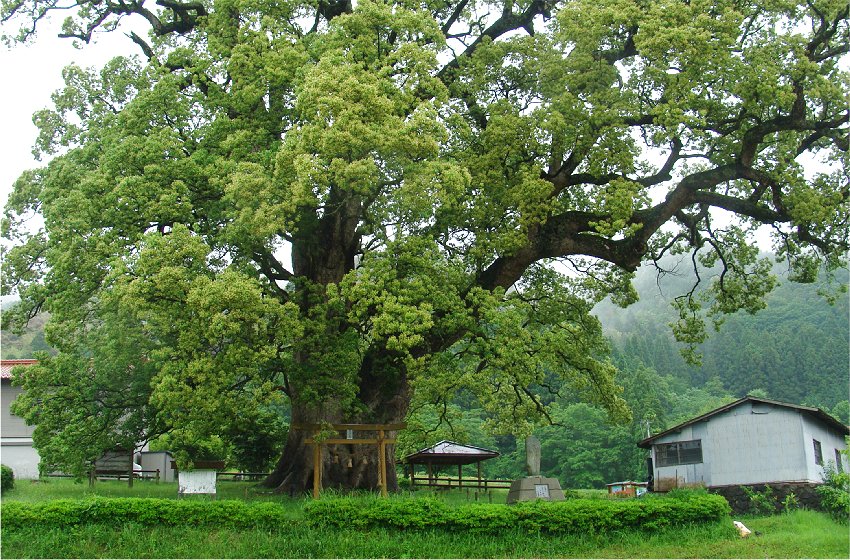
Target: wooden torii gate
381	441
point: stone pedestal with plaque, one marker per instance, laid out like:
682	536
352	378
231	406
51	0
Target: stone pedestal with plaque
534	486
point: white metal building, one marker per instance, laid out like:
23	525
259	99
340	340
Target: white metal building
16	450
750	441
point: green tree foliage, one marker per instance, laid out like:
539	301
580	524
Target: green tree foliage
258	440
349	206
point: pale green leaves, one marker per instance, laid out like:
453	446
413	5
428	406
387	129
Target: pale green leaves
402	296
217	334
619	200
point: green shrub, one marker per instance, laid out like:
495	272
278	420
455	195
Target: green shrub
790	503
761	503
7	478
835	493
145	511
571	516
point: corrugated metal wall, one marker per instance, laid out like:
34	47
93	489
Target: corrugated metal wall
749	444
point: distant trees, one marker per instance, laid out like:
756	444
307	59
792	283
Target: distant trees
795	349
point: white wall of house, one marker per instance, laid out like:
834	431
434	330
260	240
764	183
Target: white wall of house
21	457
829	439
16	450
756	442
753	443
11	425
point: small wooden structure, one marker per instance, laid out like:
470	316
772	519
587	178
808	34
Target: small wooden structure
447	453
381	441
626	488
117	463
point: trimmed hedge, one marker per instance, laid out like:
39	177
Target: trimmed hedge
571	516
145	511
7	478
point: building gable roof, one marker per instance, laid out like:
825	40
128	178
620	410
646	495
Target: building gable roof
451	453
7	365
814	412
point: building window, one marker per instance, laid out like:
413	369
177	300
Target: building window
838	464
818	453
678	453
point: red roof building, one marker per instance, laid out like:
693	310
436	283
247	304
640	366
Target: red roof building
7	365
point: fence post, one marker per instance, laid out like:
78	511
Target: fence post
157	476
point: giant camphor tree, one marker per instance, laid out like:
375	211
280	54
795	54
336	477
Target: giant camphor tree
352	205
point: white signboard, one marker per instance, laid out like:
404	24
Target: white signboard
200	481
541	490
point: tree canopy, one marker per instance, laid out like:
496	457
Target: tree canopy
352	205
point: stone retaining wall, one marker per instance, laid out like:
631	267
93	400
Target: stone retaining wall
804	492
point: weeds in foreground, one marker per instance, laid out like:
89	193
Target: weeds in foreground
801	534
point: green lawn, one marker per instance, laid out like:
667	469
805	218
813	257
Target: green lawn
802	534
58	488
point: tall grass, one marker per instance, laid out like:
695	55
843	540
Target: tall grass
802	534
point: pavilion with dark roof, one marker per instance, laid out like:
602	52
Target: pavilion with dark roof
448	453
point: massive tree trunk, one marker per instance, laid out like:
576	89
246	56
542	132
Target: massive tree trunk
344	466
322	254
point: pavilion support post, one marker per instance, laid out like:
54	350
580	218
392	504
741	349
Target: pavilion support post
460	476
430	475
479	474
317	469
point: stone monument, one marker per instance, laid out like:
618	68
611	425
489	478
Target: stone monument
534	486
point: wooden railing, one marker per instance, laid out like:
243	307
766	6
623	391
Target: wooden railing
240	476
116	474
452	482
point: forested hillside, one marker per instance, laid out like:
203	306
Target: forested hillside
16	346
795	350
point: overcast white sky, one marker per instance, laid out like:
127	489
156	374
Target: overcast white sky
31	74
